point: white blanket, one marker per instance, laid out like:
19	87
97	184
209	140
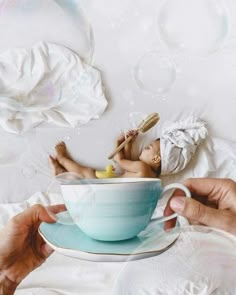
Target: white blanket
48	83
199	263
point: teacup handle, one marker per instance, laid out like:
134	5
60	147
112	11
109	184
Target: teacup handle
167	188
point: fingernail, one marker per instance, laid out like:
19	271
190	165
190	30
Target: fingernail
52	215
177	204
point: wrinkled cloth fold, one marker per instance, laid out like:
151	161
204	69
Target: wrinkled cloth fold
48	83
179	142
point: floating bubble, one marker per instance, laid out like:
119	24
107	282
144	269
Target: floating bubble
131	103
136	13
9	155
62	178
115	13
155	73
17	7
179	70
82	200
192	91
128	95
19	18
163	98
194	26
67	138
28	171
206	255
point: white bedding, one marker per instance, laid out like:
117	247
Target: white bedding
123	31
199	263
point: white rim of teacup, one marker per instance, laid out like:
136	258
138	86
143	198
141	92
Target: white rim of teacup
108	181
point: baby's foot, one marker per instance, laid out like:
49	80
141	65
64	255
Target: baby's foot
57	168
61	150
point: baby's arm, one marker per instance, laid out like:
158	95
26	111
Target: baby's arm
126	164
131	166
128	147
127	150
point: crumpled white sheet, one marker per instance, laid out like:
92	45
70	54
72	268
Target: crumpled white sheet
48	83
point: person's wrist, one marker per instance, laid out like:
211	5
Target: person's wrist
7	287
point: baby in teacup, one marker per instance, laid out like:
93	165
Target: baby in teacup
166	155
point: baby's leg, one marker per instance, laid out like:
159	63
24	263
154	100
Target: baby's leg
65	160
57	168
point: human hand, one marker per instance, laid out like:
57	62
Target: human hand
120	139
22	249
213	203
132	133
120	155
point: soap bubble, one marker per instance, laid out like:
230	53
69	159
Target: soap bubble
67	138
128	95
16	7
155	73
205	254
9	155
194	26
78	131
28	171
19	18
82	199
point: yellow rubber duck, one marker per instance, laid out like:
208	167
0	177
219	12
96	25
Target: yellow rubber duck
108	173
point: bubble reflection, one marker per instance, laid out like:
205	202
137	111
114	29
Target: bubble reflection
155	73
194	26
28	171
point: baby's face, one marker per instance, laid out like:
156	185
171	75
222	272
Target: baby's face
150	151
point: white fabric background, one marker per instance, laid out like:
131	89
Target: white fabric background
124	31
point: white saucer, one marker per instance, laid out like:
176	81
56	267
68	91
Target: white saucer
69	240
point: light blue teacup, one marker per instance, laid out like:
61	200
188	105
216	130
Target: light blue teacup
115	209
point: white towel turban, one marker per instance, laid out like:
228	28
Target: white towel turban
178	143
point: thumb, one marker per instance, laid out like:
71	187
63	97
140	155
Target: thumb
196	211
33	216
42	214
46	250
